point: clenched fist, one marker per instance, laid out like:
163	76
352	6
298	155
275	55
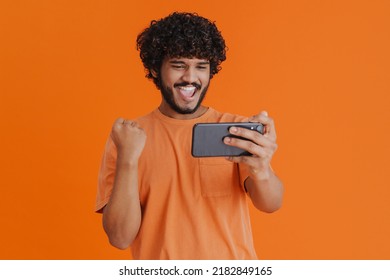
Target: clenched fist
129	139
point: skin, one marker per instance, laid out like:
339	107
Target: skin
180	71
122	214
264	188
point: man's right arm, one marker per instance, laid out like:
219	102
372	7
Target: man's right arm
122	214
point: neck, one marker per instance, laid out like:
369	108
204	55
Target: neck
167	111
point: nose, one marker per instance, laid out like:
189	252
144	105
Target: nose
190	75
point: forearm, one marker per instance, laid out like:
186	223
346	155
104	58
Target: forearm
266	191
122	214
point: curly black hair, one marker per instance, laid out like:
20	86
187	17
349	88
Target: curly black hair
180	35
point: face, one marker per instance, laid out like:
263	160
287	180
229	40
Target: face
184	83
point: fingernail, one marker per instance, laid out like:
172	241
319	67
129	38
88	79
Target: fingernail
233	129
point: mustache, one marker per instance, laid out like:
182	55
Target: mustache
196	85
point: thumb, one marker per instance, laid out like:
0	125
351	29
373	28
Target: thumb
265	113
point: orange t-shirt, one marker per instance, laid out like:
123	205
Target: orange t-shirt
192	208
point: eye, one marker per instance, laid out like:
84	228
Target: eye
203	65
178	66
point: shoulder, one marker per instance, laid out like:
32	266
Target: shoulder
145	119
217	116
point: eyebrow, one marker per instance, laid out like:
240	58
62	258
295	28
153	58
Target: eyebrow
182	62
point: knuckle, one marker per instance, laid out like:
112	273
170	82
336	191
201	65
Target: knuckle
236	130
246	133
243	159
262	154
258	137
252	146
235	159
232	140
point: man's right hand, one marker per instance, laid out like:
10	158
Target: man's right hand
129	139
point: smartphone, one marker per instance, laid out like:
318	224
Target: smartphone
207	139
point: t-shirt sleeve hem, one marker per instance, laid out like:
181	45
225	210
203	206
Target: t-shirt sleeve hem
100	205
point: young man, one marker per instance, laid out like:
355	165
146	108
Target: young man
153	194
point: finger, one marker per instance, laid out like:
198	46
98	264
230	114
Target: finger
251	162
264	147
268	122
127	122
134	124
130	123
238	159
261	117
245	145
117	124
119	120
254	136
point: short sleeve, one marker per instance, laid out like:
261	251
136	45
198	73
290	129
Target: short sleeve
106	175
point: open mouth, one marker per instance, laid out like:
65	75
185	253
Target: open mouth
187	91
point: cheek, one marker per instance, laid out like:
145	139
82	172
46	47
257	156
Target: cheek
205	77
205	80
170	79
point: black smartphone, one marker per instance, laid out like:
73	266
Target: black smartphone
207	139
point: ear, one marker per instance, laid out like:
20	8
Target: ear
154	73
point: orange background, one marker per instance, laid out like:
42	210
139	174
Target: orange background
320	68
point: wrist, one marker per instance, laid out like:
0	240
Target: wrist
261	175
126	162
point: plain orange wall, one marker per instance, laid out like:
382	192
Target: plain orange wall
320	68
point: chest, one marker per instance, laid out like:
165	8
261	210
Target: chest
166	164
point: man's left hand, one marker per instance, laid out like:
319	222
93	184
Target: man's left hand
261	146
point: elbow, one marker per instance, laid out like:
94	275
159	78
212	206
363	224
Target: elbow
121	244
266	196
275	203
271	205
270	208
119	238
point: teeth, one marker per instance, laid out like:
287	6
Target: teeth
187	88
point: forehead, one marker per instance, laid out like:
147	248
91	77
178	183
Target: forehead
186	60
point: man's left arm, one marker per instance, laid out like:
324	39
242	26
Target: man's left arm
264	188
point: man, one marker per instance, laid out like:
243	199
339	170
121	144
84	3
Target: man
153	194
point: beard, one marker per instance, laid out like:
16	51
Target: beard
167	94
